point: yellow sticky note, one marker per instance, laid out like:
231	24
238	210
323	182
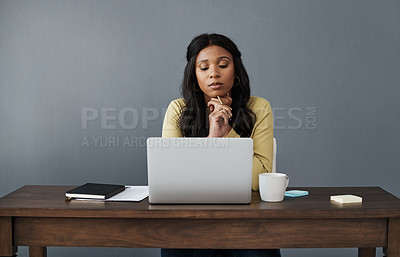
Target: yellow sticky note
346	198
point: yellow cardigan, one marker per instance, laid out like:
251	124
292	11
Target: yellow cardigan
262	133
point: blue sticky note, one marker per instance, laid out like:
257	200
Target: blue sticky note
296	193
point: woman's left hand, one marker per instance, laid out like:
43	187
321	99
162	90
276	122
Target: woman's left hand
214	102
219	116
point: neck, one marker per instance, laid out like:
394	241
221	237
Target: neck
206	98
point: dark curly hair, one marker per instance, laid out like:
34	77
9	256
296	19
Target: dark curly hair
194	118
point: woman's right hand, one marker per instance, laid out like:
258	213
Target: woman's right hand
219	117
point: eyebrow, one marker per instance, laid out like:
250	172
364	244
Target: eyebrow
219	58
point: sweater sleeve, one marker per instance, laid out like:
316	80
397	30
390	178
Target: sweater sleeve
262	139
171	119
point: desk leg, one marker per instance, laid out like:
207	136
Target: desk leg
366	252
6	233
393	248
37	251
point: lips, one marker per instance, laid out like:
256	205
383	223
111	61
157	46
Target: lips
215	85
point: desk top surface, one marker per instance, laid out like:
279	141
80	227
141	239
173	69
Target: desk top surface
48	201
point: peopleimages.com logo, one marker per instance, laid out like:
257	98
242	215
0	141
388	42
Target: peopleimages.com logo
213	142
130	119
295	118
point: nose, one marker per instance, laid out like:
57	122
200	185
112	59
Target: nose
214	73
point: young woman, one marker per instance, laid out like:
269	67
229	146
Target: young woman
217	103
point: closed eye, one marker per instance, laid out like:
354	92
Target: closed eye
204	68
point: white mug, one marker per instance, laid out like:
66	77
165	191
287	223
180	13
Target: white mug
272	186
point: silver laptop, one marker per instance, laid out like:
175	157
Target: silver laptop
199	170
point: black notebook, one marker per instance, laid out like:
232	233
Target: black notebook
95	191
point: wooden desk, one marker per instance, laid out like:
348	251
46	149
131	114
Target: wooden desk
38	216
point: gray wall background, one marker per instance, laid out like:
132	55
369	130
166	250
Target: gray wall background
330	69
